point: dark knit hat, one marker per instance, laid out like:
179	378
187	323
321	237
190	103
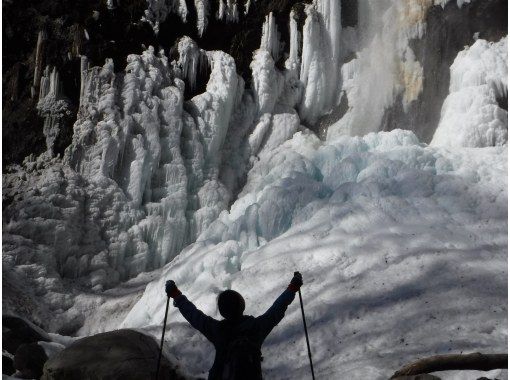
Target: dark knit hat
230	304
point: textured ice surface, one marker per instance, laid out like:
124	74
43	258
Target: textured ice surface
393	239
471	115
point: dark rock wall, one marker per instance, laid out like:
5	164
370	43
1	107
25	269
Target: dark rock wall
448	31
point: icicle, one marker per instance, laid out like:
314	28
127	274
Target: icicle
39	58
191	60
158	10
320	65
51	105
270	41
84	66
292	63
202	7
228	11
247	6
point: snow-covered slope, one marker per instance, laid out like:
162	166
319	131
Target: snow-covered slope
402	248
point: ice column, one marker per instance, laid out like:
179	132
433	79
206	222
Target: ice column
202	7
39	50
292	63
320	66
52	105
270	41
191	60
227	10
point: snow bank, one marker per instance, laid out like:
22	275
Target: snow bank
471	115
393	239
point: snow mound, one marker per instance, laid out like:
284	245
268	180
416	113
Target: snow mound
393	239
471	115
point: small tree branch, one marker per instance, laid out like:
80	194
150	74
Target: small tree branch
476	361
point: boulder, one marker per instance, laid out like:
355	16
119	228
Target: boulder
115	355
29	361
7	365
17	331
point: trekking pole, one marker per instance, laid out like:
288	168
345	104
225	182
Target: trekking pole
306	332
162	337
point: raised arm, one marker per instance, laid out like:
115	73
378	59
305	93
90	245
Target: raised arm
276	312
203	323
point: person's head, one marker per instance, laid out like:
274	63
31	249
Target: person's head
230	304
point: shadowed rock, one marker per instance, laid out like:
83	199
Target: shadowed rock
121	354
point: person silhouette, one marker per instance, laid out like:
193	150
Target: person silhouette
237	338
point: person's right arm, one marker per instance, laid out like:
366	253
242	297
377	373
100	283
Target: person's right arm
196	318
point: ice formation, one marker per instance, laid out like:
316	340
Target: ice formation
41	37
158	10
270	38
384	65
372	222
202	7
471	115
229	189
52	105
320	62
228	11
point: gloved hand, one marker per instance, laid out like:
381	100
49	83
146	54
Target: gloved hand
171	289
296	282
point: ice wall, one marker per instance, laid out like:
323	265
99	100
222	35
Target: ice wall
471	115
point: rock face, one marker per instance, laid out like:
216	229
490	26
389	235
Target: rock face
115	355
448	30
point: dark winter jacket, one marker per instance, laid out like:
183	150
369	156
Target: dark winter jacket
218	332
